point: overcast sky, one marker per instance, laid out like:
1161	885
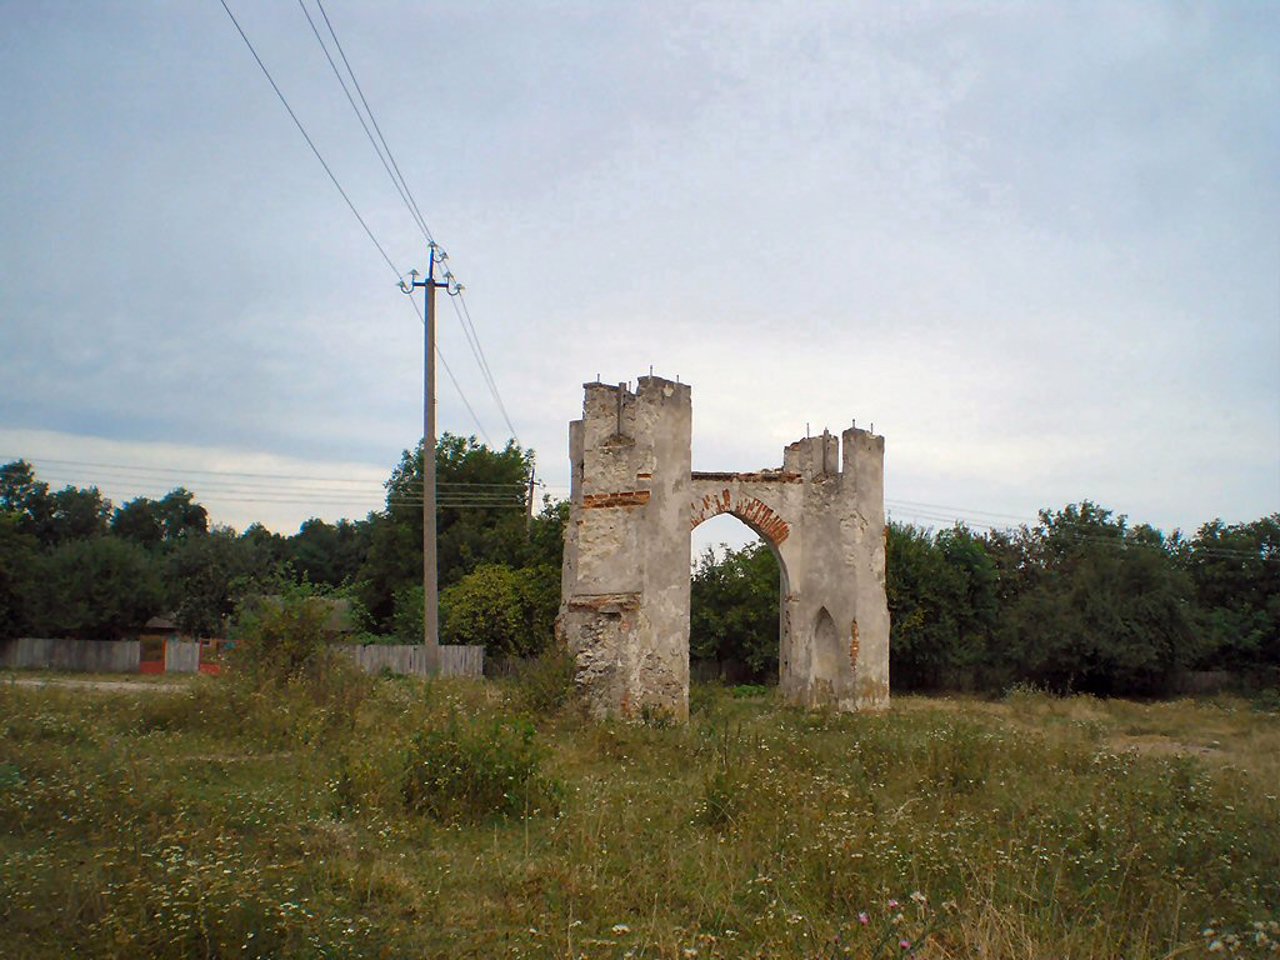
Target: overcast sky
1037	245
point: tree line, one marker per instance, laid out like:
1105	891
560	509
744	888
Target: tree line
73	564
1080	601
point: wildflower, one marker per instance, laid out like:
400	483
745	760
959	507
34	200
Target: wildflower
905	944
918	897
893	904
863	919
1215	947
620	928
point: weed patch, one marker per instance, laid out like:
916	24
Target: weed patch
435	819
473	770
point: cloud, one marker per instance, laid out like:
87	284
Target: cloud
1034	245
236	487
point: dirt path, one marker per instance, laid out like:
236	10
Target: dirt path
109	686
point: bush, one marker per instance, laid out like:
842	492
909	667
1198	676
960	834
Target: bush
406	620
294	684
475	769
511	613
281	639
546	683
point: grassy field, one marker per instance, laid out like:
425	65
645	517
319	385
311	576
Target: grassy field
395	818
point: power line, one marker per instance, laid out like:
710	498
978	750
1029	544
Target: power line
464	315
184	471
217	487
387	157
453	499
307	137
374	120
242	486
413	212
943	507
138	468
452	379
402	187
468	327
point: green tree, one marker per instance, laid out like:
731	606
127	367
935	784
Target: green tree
544	545
977	605
270	544
480	519
78	514
927	607
168	520
206	576
181	516
97	589
1236	572
511	613
25	497
18	557
1109	612
138	521
330	554
52	518
734	608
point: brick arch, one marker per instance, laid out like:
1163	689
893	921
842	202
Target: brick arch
752	511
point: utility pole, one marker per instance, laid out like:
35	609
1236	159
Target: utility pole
528	520
430	565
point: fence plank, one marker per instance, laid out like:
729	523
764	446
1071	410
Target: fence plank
460	661
411	659
181	656
89	656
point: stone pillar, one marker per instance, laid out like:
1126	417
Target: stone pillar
625	589
863	474
837	651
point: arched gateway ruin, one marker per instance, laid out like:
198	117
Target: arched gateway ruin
634	500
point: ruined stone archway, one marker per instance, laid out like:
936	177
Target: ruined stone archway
634	500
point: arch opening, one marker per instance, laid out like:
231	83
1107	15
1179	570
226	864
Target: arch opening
825	647
738	585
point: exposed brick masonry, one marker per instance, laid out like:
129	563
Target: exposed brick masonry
624	498
755	513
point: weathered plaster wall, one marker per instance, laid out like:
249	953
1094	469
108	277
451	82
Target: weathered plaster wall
633	503
625	607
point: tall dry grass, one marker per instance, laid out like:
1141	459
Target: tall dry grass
449	819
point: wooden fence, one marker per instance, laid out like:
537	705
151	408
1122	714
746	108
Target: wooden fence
92	656
398	658
411	659
181	656
459	661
